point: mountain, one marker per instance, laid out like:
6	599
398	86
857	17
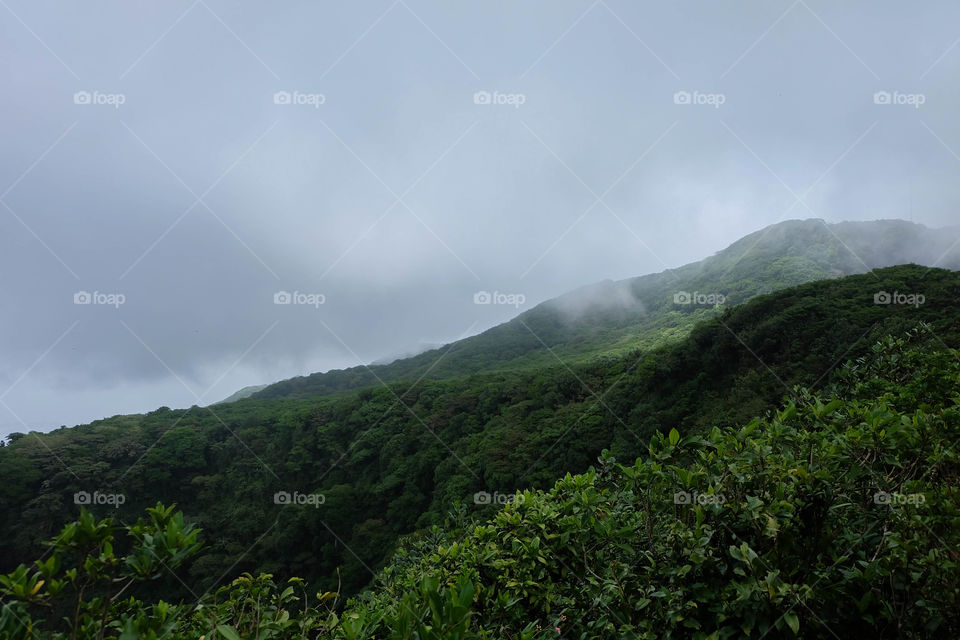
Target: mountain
517	406
396	459
613	318
836	516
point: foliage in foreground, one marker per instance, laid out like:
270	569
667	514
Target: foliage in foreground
838	516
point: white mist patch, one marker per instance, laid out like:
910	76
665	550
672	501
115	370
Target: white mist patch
603	296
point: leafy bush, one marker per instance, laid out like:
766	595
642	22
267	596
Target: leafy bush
83	577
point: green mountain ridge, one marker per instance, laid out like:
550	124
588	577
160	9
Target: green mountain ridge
393	460
605	367
611	318
835	517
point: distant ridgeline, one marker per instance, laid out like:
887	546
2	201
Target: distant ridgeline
617	318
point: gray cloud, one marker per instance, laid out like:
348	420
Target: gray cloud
494	196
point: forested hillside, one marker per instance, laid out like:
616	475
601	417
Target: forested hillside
837	516
445	320
616	318
395	459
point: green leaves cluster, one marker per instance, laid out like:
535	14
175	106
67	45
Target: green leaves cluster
83	578
258	609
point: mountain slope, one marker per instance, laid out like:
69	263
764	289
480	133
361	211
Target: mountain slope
391	460
836	517
612	318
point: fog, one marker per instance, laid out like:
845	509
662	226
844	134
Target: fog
383	162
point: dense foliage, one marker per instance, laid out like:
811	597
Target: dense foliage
837	516
392	460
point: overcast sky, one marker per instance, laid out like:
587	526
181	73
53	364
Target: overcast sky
148	157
